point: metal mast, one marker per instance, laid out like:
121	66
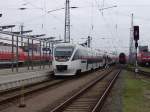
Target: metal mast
67	22
21	33
131	46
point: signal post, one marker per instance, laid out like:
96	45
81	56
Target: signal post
136	38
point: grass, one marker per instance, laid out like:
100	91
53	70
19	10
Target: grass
134	98
146	69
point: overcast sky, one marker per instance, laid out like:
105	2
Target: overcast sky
110	31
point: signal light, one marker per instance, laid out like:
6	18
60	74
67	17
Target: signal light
136	33
136	44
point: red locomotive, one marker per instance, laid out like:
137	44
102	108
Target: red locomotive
144	58
24	54
122	58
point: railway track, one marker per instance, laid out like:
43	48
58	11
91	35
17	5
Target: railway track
13	94
91	97
144	73
7	96
141	72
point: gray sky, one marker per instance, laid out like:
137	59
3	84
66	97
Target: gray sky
110	31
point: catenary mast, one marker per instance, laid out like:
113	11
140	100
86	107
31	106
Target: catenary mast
131	46
67	22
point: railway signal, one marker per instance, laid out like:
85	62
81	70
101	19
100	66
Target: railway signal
136	33
136	38
136	44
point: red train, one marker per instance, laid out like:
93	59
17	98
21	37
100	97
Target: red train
122	58
144	58
6	55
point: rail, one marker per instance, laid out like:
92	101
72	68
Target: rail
80	96
11	95
141	72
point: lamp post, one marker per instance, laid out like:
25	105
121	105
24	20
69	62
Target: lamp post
22	26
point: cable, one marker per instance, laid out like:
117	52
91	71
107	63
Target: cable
112	34
91	23
27	2
107	26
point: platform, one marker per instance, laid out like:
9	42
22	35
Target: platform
23	78
8	71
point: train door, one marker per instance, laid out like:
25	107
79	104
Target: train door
83	65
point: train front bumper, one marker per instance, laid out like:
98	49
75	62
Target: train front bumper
63	69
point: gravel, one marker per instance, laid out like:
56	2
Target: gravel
114	101
48	99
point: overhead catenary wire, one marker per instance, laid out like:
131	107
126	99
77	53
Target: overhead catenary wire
34	7
106	24
27	2
37	17
116	35
91	22
59	19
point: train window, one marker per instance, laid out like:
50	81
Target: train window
63	53
76	55
83	61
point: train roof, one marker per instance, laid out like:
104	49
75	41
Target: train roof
90	50
79	47
65	44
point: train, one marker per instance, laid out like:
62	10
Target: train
144	58
122	58
72	59
7	57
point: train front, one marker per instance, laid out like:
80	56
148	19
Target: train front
62	60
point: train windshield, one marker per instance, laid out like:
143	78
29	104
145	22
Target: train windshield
63	53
